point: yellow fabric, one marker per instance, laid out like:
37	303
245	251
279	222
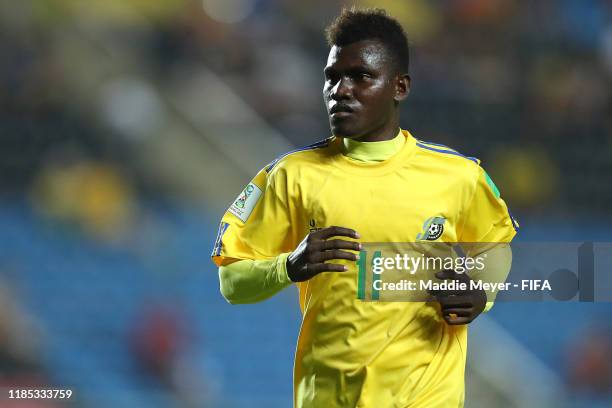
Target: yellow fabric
251	281
352	353
373	151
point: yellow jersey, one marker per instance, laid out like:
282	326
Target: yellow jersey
352	353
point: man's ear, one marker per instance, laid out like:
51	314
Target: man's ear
402	87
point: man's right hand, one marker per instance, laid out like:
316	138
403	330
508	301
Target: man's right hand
309	257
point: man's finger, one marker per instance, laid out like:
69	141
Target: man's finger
445	274
334	254
341	244
450	274
317	268
455	293
334	231
454	301
453	321
458	311
438	293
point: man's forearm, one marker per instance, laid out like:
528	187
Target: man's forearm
497	267
251	281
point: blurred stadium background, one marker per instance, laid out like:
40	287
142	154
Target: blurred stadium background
127	127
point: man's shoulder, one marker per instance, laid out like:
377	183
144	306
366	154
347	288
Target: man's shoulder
447	158
312	153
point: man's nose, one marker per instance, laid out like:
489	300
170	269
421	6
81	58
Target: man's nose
342	89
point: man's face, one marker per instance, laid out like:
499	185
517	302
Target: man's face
360	89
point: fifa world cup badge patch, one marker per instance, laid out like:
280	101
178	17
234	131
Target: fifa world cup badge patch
246	201
433	228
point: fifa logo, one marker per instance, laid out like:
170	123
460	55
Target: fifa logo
244	196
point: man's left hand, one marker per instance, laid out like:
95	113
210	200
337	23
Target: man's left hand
460	307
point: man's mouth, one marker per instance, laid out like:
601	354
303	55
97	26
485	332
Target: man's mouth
339	110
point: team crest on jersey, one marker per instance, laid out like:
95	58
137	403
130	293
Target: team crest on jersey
433	228
245	203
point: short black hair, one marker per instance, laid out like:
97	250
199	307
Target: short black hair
353	25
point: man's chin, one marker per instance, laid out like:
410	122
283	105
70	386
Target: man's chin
340	131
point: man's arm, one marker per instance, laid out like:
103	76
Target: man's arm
486	223
251	281
497	262
462	307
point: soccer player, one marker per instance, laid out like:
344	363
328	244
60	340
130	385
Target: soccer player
304	217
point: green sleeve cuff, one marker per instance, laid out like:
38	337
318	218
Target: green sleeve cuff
281	269
251	281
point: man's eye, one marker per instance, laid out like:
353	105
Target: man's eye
331	78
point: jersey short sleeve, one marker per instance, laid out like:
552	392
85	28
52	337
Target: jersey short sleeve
486	217
257	224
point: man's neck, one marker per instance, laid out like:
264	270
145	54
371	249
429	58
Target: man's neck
373	151
380	135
